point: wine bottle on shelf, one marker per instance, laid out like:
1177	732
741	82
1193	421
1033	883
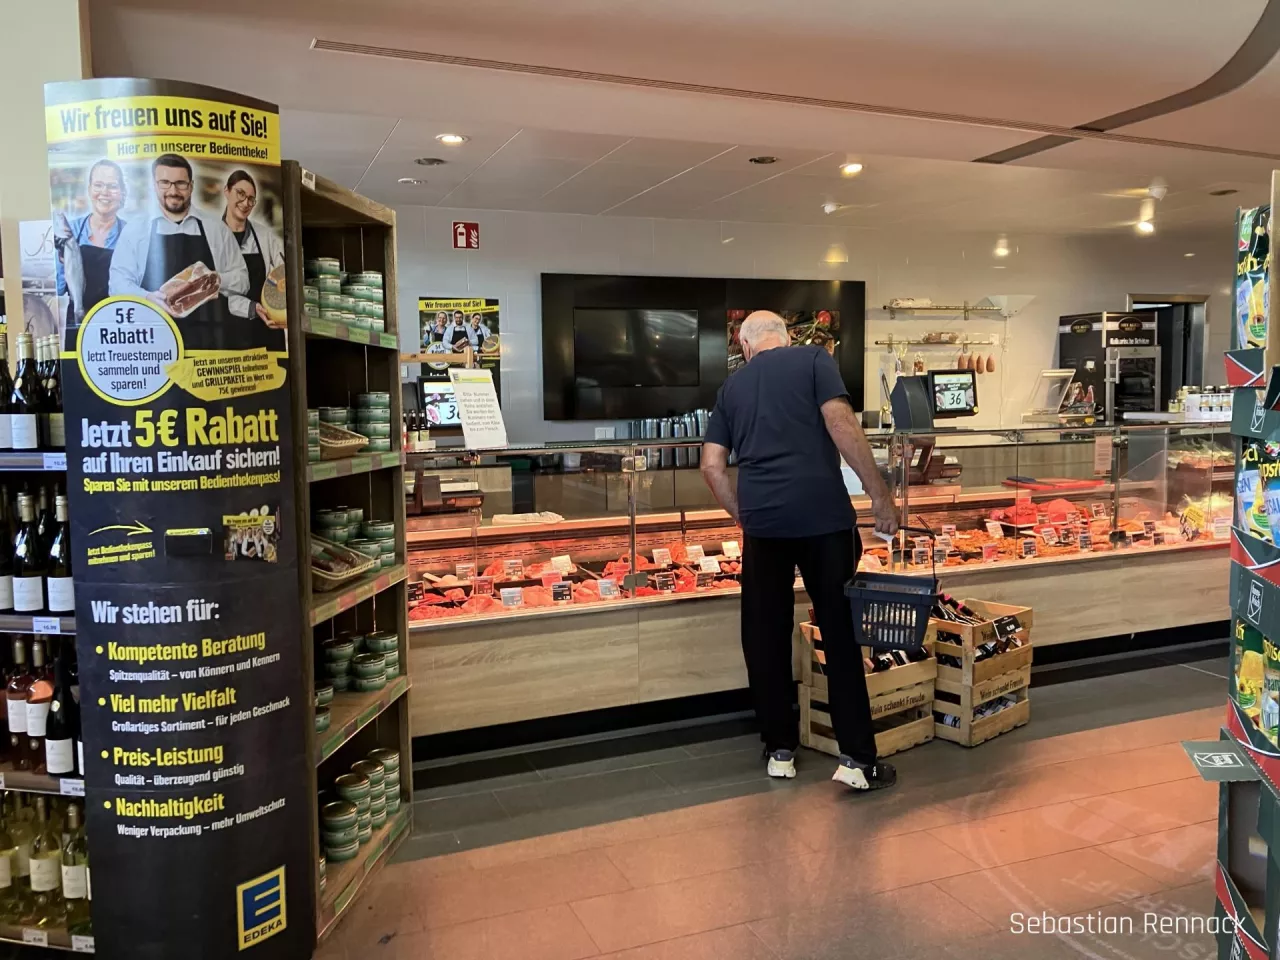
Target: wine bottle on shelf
48	909
10	902
6	390
16	695
63	753
75	874
56	436
30	561
6	555
58	582
21	829
39	700
25	400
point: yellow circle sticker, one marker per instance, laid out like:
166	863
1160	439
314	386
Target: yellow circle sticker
125	347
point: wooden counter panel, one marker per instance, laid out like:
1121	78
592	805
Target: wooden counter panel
495	673
691	648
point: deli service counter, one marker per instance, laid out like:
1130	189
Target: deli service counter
557	579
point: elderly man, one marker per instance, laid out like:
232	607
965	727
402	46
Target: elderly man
787	416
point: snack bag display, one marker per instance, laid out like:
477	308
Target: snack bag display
1249	669
1251	504
1270	715
1252	285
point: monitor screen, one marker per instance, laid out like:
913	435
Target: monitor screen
635	348
954	393
439	405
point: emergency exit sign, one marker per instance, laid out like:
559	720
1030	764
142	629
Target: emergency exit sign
466	236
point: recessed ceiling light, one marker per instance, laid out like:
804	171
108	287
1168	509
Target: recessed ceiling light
452	139
429	161
831	207
1188	254
727	240
1002	246
1228	191
762	160
850	169
998	266
1145	227
412	181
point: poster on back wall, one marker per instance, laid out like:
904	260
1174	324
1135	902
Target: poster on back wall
167	226
806	327
446	325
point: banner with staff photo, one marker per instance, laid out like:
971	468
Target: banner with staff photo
167	223
447	325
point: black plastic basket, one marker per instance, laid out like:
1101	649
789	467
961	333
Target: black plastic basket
891	610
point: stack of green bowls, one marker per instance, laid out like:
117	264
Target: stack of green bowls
372	771
370	671
383	533
338	654
313	435
373	419
340	830
390	760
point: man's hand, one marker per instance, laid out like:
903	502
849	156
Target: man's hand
886	515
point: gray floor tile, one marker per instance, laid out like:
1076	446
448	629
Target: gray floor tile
627	761
419	846
619	785
721	768
727	745
450	813
466	788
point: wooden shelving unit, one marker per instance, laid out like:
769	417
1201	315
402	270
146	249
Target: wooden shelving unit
329	364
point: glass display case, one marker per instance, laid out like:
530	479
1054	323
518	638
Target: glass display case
544	529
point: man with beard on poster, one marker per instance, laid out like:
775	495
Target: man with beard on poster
187	264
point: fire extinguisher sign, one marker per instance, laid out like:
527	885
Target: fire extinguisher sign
466	236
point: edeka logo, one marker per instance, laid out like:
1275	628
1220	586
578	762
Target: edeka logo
260	909
1259	412
1254	612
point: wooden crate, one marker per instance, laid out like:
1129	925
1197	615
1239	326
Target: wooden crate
907	727
962	641
881	687
972	732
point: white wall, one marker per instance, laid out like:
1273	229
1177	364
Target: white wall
1066	275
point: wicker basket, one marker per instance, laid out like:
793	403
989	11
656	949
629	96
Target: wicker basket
323	580
337	443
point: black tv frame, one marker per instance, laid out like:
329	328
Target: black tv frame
712	297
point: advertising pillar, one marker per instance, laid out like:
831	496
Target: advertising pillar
167	213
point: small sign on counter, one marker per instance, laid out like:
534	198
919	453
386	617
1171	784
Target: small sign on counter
513	569
1028	547
482	424
1086	541
512	597
465	571
731	549
662	556
994	529
562	564
694	551
990	552
608	589
482	586
708	565
562	591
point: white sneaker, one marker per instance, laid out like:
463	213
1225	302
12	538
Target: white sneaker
875	777
782	765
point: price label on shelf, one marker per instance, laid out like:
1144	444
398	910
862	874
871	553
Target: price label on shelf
662	556
702	579
694	551
465	571
512	597
1073	516
1157	539
81	944
1028	547
562	592
37	938
990	552
948	531
731	549
1149	528
45	625
562	564
513	569
608	589
1086	540
1042	518
994	529
939	554
944	540
1048	535
55	461
1221	528
665	582
1101	509
482	586
919	555
71	787
708	565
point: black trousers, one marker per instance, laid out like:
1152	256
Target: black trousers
826	564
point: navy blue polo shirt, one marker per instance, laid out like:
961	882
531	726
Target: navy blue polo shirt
770	414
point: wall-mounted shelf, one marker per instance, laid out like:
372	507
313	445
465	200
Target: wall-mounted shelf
964	311
893	341
991	307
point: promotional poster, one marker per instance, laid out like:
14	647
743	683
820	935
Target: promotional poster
817	327
1252	281
167	227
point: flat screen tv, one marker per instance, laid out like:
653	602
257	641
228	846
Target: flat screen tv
635	348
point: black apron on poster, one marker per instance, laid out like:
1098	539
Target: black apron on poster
97	272
257	333
168	254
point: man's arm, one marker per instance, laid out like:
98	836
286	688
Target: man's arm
715	471
846	433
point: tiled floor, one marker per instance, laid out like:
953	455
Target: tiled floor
685	851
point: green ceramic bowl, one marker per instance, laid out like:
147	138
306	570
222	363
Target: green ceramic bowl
340	838
368	665
371	278
313	417
324	694
379	820
355	514
392	658
342	854
334	669
373	414
378	431
311	310
370	684
387	546
328	519
343	683
335	534
378	529
393	806
374	311
382	641
338	815
378	324
338	415
310	293
328	285
353	787
370	548
380	801
331	313
362	807
366	834
313	454
390	759
360	291
372	770
375	398
393	673
339	649
328	266
322	719
386	560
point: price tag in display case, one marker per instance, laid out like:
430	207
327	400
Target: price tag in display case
694	552
1086	541
731	549
1157	539
1048	535
662	557
608	589
990	552
482	586
550	579
1073	517
1042	518
1149	528
513	569
55	461
562	592
45	625
703	579
562	564
36	938
994	529
919	555
939	554
1100	509
81	944
708	565
948	531
944	539
1221	528
1006	627
1028	547
664	582
465	571
512	597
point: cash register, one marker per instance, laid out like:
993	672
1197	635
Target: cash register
918	402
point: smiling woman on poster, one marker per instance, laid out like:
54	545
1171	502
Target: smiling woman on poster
95	234
259	245
187	263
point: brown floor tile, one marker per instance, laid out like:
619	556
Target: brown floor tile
722	847
1134	768
759	891
549	933
727	943
1175	857
863	819
883	925
477	894
1061	884
1023	789
1027	834
1161	806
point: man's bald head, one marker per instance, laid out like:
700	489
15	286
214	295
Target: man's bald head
762	330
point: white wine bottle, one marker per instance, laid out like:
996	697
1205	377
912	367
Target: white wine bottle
25	401
47	908
11	907
75	874
59	586
22	834
29	560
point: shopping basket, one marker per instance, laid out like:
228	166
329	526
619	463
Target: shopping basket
891	610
